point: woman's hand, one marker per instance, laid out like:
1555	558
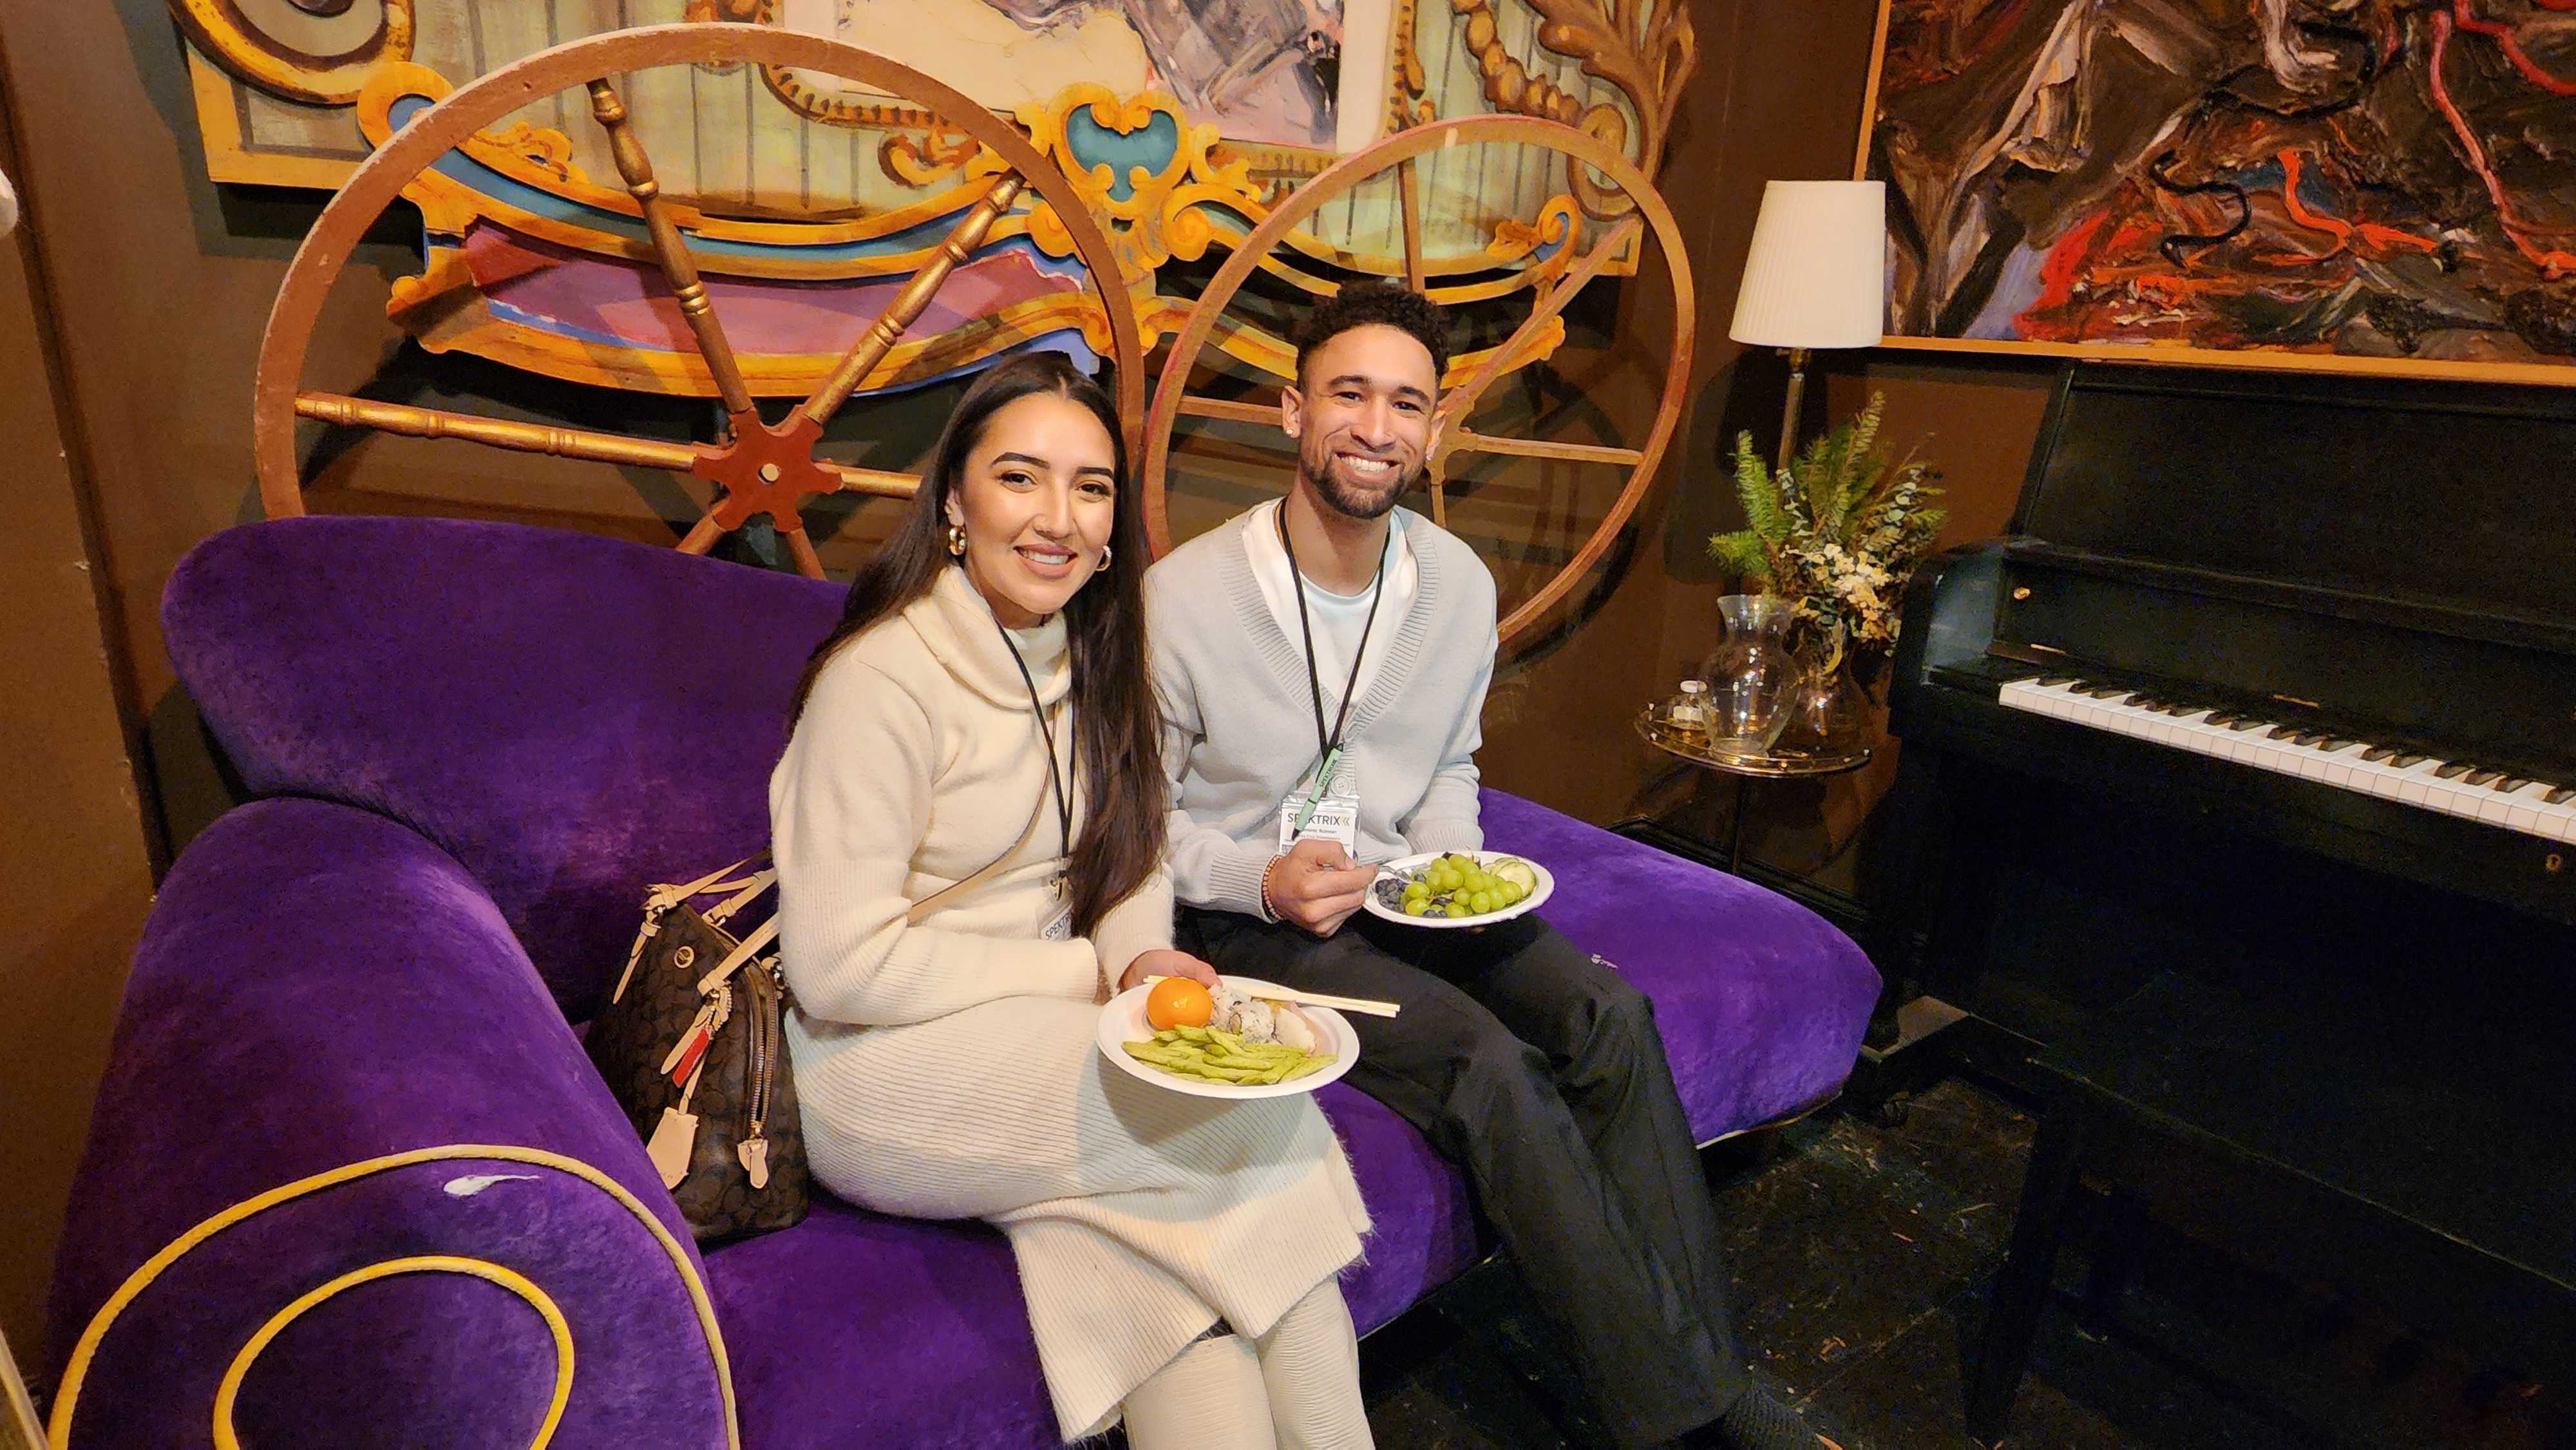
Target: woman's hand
1165	962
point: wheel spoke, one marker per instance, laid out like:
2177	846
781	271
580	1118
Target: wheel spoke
1460	438
703	535
518	437
1461	400
808	563
908	304
874	482
678	268
1412	196
1199	405
412	422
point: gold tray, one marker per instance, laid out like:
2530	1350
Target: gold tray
1778	765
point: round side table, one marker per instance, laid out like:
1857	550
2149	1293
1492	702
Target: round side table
1794	765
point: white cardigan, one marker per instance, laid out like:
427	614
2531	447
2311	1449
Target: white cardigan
948	1069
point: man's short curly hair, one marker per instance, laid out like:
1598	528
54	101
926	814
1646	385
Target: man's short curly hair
1381	304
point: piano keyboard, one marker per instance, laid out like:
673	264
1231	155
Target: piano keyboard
2532	807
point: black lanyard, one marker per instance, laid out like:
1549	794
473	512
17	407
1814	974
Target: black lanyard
1055	778
1328	747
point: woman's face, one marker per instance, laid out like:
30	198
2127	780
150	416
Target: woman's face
1038	499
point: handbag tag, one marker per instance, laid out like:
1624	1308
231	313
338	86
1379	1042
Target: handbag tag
672	1141
754	1153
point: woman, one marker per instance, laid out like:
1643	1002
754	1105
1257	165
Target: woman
968	824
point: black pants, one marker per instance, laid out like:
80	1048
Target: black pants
1539	1071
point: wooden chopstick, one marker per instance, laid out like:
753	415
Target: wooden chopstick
1366	1007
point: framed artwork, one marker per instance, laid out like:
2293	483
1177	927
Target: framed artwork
2339	185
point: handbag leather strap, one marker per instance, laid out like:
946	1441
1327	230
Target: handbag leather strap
928	904
743	951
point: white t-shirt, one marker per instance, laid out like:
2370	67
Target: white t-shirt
1337	618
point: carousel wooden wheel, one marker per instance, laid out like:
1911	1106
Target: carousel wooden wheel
1457	406
761	467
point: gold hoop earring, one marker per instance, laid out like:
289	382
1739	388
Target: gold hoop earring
957	540
1104	556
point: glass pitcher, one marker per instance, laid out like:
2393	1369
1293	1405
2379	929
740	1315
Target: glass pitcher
1753	679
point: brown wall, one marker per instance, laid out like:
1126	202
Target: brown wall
75	877
161	283
1778	96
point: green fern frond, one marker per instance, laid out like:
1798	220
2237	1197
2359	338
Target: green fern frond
1743	553
1760	494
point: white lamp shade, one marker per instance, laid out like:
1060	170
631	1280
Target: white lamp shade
1817	274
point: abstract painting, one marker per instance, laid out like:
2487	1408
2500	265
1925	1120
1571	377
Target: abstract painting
2382	185
1267	72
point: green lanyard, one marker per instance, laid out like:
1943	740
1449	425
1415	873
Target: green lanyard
1328	747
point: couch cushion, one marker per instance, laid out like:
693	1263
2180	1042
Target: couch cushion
570	717
1761	1001
855	1329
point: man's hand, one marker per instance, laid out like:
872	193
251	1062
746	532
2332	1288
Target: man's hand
1165	962
1315	886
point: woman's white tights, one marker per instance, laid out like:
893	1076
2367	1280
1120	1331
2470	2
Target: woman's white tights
1295	1388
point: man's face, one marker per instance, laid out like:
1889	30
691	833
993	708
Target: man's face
1361	416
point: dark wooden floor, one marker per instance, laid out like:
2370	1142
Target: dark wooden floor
1860	1255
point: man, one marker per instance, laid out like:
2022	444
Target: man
1322	663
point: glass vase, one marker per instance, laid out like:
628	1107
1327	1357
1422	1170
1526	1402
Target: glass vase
1753	679
1829	712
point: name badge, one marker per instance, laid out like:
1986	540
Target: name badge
1334	818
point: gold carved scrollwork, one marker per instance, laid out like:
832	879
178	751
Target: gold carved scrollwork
1160	216
323	59
1644	47
918	159
1404	103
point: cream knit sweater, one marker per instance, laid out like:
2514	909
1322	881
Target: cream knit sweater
948	1069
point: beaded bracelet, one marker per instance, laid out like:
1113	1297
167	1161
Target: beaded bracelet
1268	911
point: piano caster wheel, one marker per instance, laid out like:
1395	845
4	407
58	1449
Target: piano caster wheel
1893	1110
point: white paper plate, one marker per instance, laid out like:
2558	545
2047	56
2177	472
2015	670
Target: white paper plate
1123	1021
1386	893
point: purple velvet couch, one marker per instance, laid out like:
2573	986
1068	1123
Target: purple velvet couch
474	744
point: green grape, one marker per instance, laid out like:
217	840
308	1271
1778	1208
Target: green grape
1514	893
1416	906
1480	903
1457	909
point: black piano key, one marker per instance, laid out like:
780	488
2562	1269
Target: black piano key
2336	742
2407	761
2244	723
2223	718
2101	692
2560	795
2453	770
2378	753
2282	732
2137	698
2051	682
2509	785
2482	777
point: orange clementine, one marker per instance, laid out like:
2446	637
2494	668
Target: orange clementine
1178	1002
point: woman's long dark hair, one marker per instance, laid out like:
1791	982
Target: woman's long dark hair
1117	726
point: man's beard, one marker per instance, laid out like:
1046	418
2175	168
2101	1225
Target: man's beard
1347	500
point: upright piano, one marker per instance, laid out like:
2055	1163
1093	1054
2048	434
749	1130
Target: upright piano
2241	776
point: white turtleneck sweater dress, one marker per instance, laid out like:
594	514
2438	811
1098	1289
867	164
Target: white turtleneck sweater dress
948	1069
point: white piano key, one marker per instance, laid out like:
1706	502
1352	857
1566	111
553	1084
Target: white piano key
2344	768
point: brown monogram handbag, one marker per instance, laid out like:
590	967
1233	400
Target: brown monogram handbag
693	1045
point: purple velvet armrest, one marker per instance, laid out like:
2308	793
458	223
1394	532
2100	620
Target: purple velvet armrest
351	1180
